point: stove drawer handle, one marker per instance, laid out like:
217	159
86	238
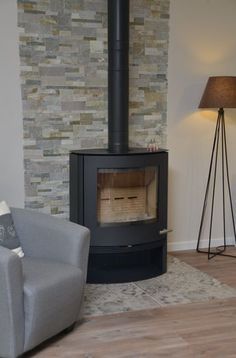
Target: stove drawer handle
165	231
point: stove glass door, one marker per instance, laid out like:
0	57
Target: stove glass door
127	195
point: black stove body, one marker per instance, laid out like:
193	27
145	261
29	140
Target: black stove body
120	193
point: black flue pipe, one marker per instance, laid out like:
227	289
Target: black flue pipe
118	75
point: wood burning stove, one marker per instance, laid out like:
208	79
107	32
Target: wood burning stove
120	193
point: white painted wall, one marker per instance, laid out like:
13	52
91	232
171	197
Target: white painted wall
202	44
11	147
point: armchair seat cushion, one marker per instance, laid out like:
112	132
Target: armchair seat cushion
49	286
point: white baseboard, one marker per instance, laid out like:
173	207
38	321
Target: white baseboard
191	245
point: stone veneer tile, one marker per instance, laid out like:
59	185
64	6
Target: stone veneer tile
63	54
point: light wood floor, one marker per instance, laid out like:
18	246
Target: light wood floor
194	330
220	267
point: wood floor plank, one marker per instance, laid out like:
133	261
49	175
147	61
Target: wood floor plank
220	267
206	329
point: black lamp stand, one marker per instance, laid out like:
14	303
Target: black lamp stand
219	140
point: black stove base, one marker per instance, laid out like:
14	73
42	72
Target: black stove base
126	264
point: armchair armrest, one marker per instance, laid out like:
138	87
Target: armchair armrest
11	304
44	236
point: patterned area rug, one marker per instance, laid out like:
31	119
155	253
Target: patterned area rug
181	284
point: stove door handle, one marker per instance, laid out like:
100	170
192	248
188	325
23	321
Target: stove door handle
165	231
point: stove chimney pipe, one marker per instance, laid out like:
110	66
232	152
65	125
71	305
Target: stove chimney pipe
118	75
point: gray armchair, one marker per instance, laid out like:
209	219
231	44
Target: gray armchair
42	293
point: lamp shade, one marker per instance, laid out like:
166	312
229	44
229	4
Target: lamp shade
220	92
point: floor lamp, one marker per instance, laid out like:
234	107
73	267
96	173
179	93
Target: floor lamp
220	92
